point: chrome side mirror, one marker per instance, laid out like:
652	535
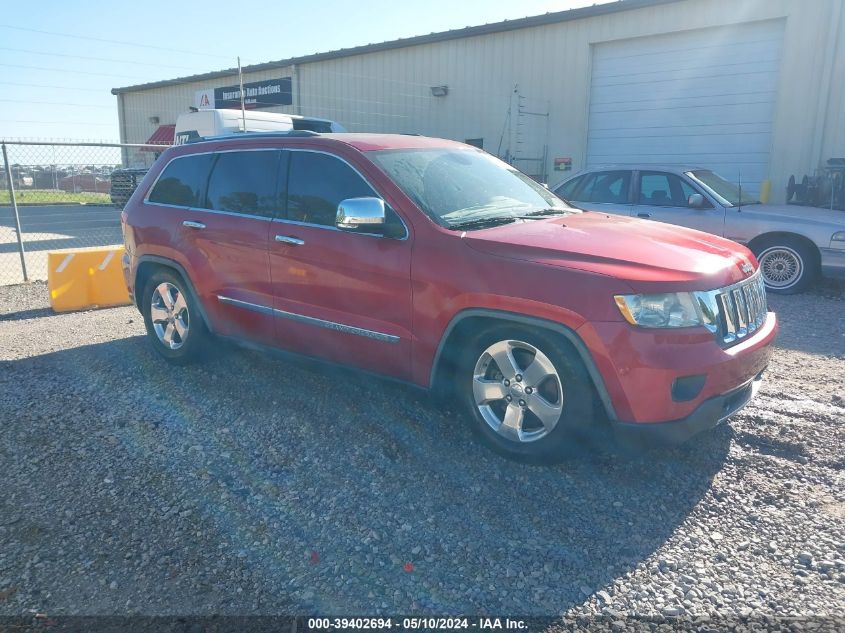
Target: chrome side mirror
361	213
696	201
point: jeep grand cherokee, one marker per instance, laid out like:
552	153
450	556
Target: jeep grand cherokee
434	263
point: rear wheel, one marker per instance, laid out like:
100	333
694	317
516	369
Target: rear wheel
173	324
528	395
788	266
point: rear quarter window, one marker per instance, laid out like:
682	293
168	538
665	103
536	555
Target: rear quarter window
183	181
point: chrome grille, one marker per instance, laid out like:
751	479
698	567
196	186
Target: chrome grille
742	309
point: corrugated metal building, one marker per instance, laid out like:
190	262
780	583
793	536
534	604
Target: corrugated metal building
751	88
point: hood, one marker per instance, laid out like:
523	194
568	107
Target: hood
646	254
834	219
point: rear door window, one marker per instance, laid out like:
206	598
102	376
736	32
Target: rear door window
182	183
245	182
610	187
607	187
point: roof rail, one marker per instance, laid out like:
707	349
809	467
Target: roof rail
237	135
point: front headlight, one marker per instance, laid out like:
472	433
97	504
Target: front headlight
839	236
674	309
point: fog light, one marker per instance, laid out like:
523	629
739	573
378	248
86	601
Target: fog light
687	388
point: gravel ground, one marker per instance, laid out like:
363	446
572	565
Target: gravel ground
257	485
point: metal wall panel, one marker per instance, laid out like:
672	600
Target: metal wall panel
389	91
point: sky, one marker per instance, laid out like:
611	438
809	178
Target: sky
59	60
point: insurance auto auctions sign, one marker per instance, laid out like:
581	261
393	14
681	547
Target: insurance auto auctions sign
257	94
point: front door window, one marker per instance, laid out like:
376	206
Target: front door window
660	189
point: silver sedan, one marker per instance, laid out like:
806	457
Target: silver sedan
793	244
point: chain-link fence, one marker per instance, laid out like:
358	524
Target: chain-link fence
63	195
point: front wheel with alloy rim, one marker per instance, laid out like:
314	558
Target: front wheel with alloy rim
528	394
170	316
788	266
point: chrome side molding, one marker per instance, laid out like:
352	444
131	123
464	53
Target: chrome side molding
244	304
301	318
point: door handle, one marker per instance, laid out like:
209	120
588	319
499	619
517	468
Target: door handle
287	239
644	215
193	225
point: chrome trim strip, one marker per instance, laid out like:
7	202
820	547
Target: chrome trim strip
330	325
729	333
753	277
750	307
218	212
245	304
339	327
762	306
331	227
741	312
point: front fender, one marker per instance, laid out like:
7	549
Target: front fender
561	322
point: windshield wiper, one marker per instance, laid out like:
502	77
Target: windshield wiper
542	212
481	222
478	210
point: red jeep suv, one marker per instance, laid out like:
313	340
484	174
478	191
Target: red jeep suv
434	263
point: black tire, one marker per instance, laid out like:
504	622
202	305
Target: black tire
777	256
195	344
575	429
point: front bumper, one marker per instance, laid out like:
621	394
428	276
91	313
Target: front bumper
707	415
833	262
641	369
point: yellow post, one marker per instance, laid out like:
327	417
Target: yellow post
765	190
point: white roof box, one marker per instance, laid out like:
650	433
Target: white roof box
194	126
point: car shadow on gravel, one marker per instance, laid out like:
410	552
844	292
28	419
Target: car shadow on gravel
793	451
319	490
21	315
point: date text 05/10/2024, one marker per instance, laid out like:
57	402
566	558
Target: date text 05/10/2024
416	623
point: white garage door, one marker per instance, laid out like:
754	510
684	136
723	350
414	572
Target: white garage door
703	98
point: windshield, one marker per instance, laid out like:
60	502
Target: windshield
456	186
726	192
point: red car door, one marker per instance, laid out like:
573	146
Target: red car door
223	240
339	295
